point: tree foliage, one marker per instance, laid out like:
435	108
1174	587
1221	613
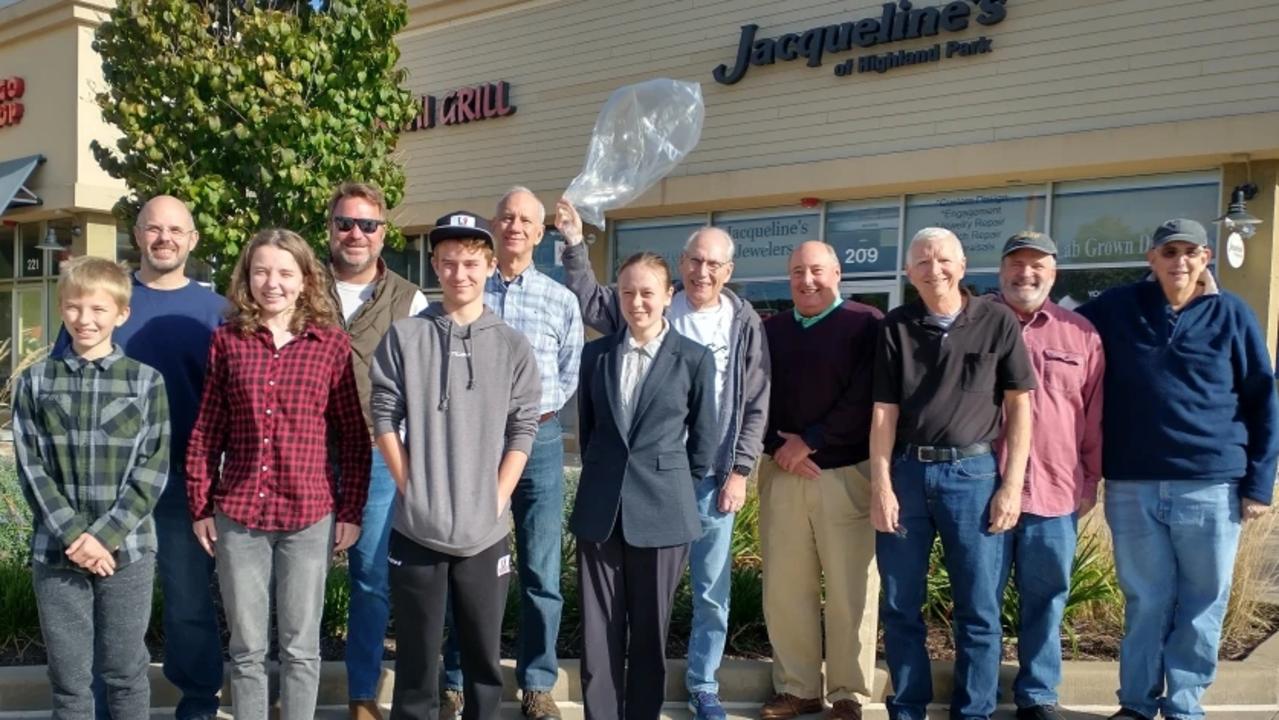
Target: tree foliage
252	111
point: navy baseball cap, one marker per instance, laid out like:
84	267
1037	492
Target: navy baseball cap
1179	230
460	225
1030	239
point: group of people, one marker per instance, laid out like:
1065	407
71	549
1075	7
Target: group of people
326	408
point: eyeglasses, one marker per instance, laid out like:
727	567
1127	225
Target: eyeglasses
710	265
154	231
368	226
1172	252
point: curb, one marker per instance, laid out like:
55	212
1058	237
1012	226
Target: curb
1251	681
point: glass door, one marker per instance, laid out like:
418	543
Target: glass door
883	294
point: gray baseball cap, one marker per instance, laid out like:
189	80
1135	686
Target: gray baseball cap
1179	230
1030	239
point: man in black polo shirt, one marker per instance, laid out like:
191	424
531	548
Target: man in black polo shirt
944	366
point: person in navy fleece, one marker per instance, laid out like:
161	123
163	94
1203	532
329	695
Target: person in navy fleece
1189	445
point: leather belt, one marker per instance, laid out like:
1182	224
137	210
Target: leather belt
541	420
946	453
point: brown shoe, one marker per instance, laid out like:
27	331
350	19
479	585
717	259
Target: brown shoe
847	709
539	705
365	710
784	706
451	702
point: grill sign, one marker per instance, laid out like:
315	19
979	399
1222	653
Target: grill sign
11	108
464	105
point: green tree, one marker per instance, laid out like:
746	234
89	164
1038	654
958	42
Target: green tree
252	111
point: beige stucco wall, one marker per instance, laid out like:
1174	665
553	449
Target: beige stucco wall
48	43
1072	88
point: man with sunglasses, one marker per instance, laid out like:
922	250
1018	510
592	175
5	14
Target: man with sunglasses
370	296
1190	435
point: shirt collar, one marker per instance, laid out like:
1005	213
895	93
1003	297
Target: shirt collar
1045	314
526	275
808	322
76	363
649	348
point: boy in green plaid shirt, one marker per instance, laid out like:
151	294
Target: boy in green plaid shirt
91	436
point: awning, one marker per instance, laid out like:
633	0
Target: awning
13	178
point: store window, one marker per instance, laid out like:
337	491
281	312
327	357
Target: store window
407	262
982	219
865	235
8	249
1111	221
665	237
764	239
31	262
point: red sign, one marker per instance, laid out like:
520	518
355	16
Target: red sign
11	110
464	105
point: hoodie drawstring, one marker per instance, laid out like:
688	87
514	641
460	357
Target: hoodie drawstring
448	354
470	368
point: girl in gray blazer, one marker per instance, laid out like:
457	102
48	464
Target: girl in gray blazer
647	432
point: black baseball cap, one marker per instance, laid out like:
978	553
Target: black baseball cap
1179	230
1030	239
460	225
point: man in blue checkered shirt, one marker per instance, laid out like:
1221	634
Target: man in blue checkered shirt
91	437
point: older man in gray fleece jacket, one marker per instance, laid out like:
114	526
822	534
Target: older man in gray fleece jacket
464	388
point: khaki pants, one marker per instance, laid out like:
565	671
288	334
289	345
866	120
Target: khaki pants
810	528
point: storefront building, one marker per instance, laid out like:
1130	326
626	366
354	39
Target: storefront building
856	123
860	122
52	192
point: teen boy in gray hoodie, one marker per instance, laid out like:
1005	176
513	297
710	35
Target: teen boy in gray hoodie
464	388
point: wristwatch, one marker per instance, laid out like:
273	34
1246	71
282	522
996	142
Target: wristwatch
743	470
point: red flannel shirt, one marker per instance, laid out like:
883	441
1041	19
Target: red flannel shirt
272	412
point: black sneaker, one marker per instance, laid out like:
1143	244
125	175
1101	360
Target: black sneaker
1039	712
1128	714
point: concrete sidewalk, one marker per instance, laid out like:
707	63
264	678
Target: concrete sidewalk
1248	688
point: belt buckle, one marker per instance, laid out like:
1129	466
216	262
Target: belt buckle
924	453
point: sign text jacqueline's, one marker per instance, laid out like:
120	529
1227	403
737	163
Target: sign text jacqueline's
897	21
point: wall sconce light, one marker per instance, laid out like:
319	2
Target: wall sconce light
810	202
1237	218
1238	223
50	241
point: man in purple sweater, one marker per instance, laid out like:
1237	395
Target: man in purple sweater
814	491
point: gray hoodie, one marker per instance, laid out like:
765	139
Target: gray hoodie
465	396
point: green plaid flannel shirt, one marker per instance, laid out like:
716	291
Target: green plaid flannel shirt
91	439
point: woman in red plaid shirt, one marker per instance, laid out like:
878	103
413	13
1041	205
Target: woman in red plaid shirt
267	503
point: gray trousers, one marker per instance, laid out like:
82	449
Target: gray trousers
626	594
85	618
295	563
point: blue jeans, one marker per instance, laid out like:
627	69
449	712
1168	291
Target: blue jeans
709	565
1043	551
538	507
370	593
192	643
1175	545
951	499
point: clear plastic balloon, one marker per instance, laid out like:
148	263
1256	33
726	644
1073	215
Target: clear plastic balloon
641	134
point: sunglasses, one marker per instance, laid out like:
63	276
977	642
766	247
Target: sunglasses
367	226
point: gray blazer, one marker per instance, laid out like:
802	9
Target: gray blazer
644	477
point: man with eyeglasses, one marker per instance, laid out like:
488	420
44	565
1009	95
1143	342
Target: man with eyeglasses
1190	436
711	314
370	296
170	324
547	315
